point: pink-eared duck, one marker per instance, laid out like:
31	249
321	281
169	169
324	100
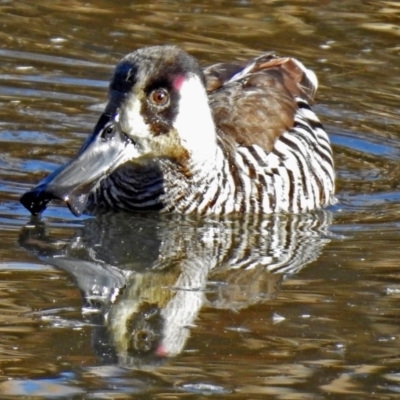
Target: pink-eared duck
230	138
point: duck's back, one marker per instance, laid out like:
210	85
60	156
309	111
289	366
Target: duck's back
262	113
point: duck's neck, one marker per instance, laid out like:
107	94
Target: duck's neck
191	189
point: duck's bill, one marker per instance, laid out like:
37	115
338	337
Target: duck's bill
101	154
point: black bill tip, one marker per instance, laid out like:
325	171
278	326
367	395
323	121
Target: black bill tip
36	200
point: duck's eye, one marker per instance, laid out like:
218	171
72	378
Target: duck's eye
159	97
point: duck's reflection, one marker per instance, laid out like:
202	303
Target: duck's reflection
144	278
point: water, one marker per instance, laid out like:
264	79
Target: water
149	307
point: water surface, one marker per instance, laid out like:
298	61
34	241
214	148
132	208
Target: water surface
149	307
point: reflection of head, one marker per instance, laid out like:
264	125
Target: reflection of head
145	328
152	317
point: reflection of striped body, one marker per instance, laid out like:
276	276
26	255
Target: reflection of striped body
149	275
271	153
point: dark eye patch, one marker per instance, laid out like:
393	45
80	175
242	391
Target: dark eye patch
160	118
157	83
159	97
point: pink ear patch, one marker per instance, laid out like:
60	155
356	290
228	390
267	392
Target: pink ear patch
160	351
178	82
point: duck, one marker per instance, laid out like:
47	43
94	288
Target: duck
230	138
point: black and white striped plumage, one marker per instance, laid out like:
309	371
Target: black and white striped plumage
234	138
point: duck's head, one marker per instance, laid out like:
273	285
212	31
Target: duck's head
158	108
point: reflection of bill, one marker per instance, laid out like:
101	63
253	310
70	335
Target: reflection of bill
144	278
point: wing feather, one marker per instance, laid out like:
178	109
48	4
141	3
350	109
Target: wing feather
255	103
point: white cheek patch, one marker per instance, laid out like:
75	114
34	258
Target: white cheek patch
132	124
131	120
194	122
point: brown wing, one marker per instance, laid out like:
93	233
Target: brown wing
255	104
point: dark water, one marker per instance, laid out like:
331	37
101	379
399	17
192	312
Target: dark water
149	307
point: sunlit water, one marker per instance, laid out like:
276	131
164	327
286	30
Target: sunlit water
148	307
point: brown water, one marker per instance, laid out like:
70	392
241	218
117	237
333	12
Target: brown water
167	308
